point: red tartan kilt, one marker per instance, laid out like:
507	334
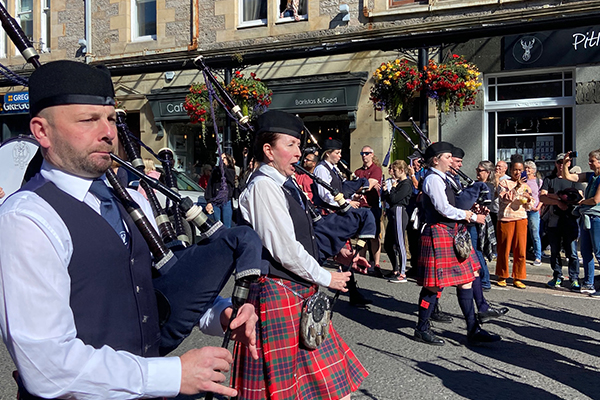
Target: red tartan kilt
285	370
438	264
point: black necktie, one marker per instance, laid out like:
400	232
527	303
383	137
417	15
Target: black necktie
294	191
109	208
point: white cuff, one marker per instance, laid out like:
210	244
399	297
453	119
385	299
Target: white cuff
164	377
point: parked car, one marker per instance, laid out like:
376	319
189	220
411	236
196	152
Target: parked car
186	186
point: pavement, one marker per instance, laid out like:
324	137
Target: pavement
550	347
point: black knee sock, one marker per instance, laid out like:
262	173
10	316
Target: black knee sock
480	302
427	301
465	300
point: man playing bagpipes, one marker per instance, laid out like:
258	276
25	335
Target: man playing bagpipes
79	313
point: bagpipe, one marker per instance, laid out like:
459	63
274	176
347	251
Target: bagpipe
472	195
179	270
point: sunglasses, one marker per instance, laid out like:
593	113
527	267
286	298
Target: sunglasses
559	161
365	153
480	170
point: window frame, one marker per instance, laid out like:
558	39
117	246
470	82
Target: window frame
135	28
493	107
253	22
45	26
18	14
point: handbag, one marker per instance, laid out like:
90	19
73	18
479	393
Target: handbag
462	243
314	322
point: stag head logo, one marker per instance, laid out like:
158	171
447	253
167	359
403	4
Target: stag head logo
527	46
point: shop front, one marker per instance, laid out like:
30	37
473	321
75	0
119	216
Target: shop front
14	114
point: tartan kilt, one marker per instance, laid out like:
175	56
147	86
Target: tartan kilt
285	369
438	265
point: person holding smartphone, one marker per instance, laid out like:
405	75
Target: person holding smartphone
515	200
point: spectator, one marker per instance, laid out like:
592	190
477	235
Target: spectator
397	198
150	170
222	208
304	181
205	175
485	173
371	199
2	194
501	168
515	201
561	226
533	215
590	217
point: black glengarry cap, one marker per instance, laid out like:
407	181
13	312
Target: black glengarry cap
280	122
458	152
438	148
69	82
332	144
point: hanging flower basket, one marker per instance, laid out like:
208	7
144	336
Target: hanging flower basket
453	85
396	84
251	94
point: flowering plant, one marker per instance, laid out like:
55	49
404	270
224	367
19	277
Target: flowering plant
453	85
396	83
251	94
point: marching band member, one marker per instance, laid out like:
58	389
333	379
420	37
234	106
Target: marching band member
439	265
79	316
273	206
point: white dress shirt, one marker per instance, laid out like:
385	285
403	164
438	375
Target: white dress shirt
322	172
434	186
265	207
35	318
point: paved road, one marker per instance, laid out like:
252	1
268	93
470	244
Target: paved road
550	350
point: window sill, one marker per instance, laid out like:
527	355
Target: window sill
438	6
148	38
252	24
286	20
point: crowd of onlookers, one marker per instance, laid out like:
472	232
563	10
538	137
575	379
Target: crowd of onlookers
531	216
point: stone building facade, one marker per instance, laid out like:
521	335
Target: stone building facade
328	54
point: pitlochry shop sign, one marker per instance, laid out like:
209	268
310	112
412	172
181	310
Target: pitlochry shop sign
552	48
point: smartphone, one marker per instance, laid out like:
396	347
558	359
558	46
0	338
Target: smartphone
524	175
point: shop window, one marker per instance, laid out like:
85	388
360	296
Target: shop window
293	10
253	12
143	18
531	115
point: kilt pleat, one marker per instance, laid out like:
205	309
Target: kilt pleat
286	370
438	265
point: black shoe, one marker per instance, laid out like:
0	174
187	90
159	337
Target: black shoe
482	336
428	337
486	289
492	312
440	316
377	272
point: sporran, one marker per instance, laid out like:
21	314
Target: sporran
462	243
314	323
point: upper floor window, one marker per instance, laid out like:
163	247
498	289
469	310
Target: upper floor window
403	2
293	10
25	17
3	38
143	19
46	27
253	12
